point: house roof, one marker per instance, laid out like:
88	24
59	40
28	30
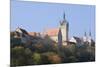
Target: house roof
75	39
32	33
52	32
22	30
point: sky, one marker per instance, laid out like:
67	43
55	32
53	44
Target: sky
38	16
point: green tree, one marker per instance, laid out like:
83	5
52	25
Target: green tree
20	56
51	58
36	58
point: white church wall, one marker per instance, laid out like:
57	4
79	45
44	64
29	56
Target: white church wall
54	38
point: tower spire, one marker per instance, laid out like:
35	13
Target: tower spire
64	16
84	33
89	33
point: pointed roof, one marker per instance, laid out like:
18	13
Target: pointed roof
64	21
90	33
21	30
85	34
64	16
75	39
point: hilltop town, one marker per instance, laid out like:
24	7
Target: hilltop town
58	35
51	46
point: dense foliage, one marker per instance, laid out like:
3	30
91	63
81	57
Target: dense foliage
45	51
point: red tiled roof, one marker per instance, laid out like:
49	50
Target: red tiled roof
32	33
52	32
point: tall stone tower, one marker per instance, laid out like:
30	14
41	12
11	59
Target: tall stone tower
64	26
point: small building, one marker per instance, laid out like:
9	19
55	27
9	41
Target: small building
23	34
76	40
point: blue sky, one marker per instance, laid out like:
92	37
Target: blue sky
37	16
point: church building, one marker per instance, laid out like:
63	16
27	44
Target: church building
60	34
